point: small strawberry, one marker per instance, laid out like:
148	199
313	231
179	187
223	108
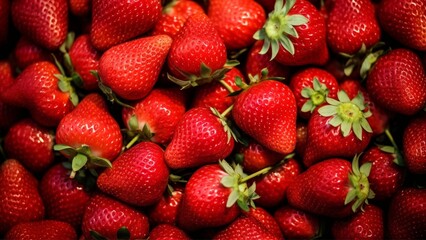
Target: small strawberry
165	210
297	224
115	22
266	220
245	228
27	53
80	7
42	230
255	157
166	231
413	145
132	68
331	188
45	22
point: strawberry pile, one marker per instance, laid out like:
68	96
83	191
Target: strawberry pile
186	119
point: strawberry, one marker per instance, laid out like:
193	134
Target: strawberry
406	214
132	68
30	144
266	111
4	21
413	145
27	53
266	220
200	138
350	24
9	115
139	176
165	210
166	231
396	80
157	114
89	134
19	196
242	16
367	224
301	137
297	224
311	87
245	228
42	230
36	89
115	22
45	22
296	33
65	199
174	16
331	188
80	7
256	157
338	129
404	22
106	216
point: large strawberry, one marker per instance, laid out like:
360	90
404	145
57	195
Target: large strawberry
331	188
40	230
132	68
265	219
413	145
114	22
45	22
9	115
297	224
27	53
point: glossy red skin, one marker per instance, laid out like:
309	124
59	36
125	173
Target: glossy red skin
19	197
161	111
80	7
106	215
407	215
199	139
8	114
4	21
85	58
301	137
367	224
31	144
305	78
266	111
138	177
265	219
311	46
165	210
174	16
203	204
41	230
413	145
296	224
322	189
404	21
132	68
166	231
244	17
36	89
215	94
257	157
115	22
351	24
386	177
396	82
27	53
44	22
188	49
91	124
272	188
65	199
244	228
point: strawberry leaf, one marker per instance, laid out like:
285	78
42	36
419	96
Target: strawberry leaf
78	162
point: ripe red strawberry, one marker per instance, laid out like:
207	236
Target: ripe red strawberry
338	129
199	139
9	115
245	228
139	176
367	224
156	116
4	21
267	112
297	224
165	210
19	196
350	24
174	16
396	82
244	17
166	231
30	144
45	22
311	87
42	230
89	134
301	137
266	220
331	188
404	21
132	68
256	157
80	7
65	199
296	33
406	215
36	89
106	216
27	53
413	145
114	22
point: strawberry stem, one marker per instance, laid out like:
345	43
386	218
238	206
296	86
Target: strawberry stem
224	113
229	88
134	139
391	139
258	173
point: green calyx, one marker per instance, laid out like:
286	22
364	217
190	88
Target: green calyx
137	133
123	233
224	122
316	95
359	190
279	27
349	114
